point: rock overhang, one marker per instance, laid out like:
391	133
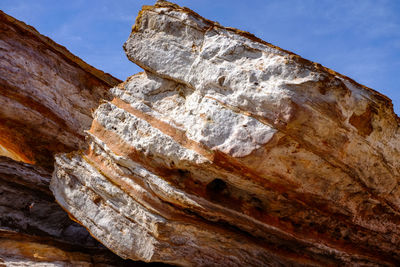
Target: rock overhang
229	150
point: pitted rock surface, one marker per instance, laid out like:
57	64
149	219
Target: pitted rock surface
229	151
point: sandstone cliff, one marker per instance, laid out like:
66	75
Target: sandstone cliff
230	151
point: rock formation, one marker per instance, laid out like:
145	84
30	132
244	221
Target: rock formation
226	151
34	230
46	97
229	151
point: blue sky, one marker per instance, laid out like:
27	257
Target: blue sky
358	38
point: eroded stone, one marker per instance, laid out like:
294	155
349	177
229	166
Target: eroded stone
230	151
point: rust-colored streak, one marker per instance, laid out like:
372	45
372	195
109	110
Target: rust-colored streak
14	143
11	154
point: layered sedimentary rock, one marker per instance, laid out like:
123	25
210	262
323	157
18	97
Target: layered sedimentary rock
230	151
46	97
36	231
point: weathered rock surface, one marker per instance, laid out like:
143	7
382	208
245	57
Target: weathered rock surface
34	230
46	96
230	151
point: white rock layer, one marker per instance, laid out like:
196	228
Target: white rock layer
230	151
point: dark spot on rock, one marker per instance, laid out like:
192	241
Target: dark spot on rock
183	173
96	200
363	122
346	237
216	186
221	80
321	229
257	204
336	233
296	225
322	90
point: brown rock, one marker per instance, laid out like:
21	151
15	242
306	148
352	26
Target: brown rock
46	95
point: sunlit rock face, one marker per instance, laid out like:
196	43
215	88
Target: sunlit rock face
229	151
46	96
36	231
